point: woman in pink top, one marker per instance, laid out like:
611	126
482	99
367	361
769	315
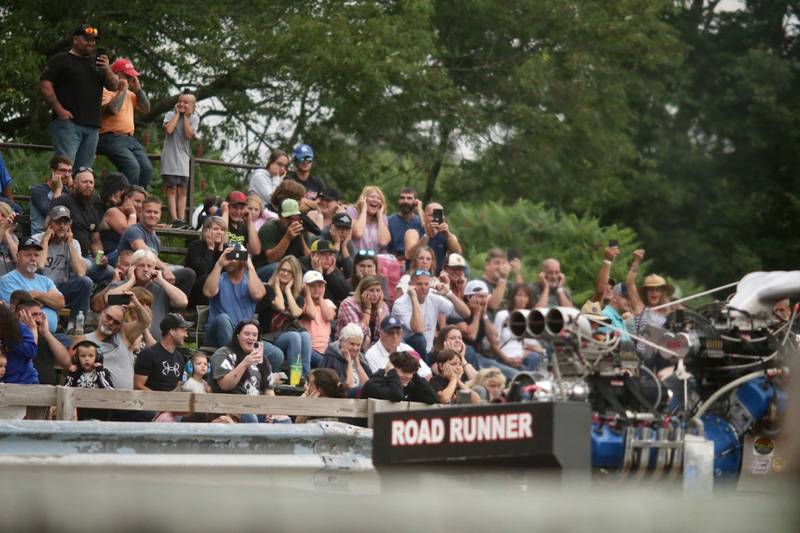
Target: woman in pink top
370	225
318	313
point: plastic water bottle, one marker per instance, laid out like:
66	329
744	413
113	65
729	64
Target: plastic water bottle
78	324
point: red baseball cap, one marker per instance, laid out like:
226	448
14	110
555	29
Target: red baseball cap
237	197
125	66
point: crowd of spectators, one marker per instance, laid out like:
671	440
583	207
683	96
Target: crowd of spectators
368	297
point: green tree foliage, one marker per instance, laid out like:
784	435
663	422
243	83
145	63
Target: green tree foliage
538	233
669	117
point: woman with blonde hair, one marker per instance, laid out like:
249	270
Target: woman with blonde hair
423	259
489	383
370	223
202	254
279	312
259	215
366	308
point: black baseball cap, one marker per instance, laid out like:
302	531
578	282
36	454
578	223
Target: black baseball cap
342	220
87	30
331	193
174	321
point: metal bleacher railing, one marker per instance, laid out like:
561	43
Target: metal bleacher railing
194	162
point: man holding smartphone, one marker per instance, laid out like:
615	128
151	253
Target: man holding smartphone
232	289
436	234
72	85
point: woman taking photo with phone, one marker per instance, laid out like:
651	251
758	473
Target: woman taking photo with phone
240	367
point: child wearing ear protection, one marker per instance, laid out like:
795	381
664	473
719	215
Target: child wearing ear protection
197	383
89	372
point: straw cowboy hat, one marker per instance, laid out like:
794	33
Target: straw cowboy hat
654	281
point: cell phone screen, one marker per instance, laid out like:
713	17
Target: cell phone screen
101	51
438	215
119	299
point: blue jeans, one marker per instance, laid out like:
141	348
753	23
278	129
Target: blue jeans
293	343
77	142
480	361
420	345
128	156
77	291
219	331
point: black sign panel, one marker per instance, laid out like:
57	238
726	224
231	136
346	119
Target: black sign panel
551	435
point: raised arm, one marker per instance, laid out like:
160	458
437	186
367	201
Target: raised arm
601	282
176	296
637	306
133	330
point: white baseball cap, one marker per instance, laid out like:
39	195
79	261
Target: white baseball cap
312	276
476	286
455	260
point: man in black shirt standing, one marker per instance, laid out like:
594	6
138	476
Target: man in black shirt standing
160	367
72	85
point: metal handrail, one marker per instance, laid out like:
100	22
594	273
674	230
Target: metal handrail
193	162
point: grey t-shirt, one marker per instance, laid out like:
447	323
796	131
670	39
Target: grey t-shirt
176	152
117	359
6	262
138	232
57	266
256	380
552	298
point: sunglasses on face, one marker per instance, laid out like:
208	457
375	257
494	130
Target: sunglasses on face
366	253
422	273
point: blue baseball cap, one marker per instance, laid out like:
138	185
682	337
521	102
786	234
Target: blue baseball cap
389	323
303	152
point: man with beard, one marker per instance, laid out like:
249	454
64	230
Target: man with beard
145	274
61	261
232	289
86	222
72	85
160	367
551	291
40	288
115	336
142	236
58	184
409	216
